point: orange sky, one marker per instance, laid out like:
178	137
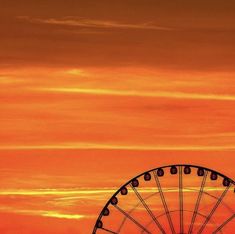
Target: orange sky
93	93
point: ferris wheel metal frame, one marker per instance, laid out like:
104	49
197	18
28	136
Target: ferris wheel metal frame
159	172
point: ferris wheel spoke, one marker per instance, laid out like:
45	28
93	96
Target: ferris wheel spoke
148	210
181	200
132	219
109	231
197	203
224	224
164	202
213	210
171	215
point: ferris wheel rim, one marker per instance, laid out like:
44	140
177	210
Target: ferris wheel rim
232	182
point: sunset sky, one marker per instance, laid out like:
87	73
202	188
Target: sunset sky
93	93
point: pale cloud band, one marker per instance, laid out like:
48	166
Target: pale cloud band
43	213
100	146
94	191
68	194
135	93
91	23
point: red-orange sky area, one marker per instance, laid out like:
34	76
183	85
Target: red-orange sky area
93	93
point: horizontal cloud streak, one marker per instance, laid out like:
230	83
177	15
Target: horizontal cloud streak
43	213
92	191
135	93
61	215
90	23
100	146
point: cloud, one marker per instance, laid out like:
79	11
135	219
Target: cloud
61	199
43	213
91	23
55	214
100	146
135	93
55	192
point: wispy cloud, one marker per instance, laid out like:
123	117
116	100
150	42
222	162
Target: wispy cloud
56	192
136	93
93	23
8	80
100	146
66	193
55	214
60	199
43	213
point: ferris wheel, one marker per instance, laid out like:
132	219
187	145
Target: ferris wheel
173	199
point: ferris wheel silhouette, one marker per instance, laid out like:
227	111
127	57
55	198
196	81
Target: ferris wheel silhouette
173	199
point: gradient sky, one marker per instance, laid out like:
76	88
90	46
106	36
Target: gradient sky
94	92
